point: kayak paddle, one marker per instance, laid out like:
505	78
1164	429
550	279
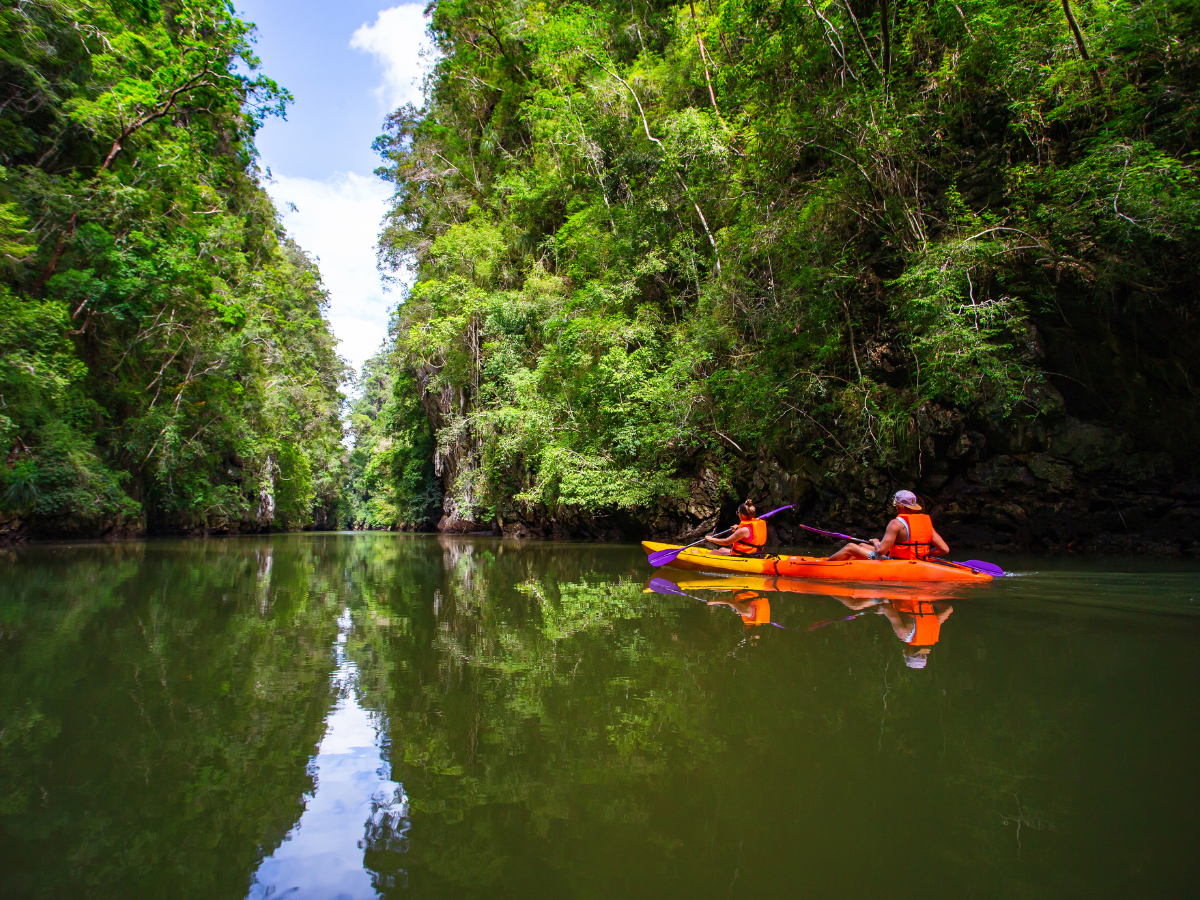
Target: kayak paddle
833	534
989	568
662	586
815	625
666	557
979	565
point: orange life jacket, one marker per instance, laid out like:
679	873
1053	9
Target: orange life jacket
920	537
760	608
757	539
928	628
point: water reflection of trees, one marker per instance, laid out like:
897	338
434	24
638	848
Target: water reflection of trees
158	707
526	684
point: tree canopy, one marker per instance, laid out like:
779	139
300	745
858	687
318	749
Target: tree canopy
166	363
669	239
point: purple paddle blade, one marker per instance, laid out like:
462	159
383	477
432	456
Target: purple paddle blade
986	567
664	557
662	586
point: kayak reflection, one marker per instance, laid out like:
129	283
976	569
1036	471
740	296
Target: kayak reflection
916	613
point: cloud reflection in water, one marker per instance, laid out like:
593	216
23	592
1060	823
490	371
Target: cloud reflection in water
355	807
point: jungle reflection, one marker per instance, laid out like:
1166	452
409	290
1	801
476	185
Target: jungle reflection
158	707
525	721
540	697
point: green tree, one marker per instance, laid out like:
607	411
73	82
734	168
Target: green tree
166	360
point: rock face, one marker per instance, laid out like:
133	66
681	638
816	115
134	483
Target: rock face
1076	486
1084	488
1108	464
446	408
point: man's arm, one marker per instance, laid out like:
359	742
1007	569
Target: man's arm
742	609
902	625
940	547
889	537
858	604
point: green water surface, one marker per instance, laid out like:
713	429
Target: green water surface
347	715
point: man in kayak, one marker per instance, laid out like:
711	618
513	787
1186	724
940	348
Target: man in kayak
750	536
910	535
918	623
916	618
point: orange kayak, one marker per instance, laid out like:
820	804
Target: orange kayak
894	570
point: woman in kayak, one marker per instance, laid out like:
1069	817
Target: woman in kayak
910	535
752	606
750	536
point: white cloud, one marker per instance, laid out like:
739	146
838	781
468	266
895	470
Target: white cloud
338	222
338	219
398	40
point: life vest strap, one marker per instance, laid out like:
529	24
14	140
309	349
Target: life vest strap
916	547
918	526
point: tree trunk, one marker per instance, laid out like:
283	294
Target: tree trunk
704	59
1075	29
1083	50
885	30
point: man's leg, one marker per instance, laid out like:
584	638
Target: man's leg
853	551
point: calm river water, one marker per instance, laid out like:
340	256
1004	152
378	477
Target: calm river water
353	715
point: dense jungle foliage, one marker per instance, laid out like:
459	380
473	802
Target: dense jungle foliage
165	361
662	241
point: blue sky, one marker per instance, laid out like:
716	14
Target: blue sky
348	63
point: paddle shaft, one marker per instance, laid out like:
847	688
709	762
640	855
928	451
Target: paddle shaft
822	624
732	528
835	534
986	568
678	550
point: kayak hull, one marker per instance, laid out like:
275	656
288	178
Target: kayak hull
899	571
